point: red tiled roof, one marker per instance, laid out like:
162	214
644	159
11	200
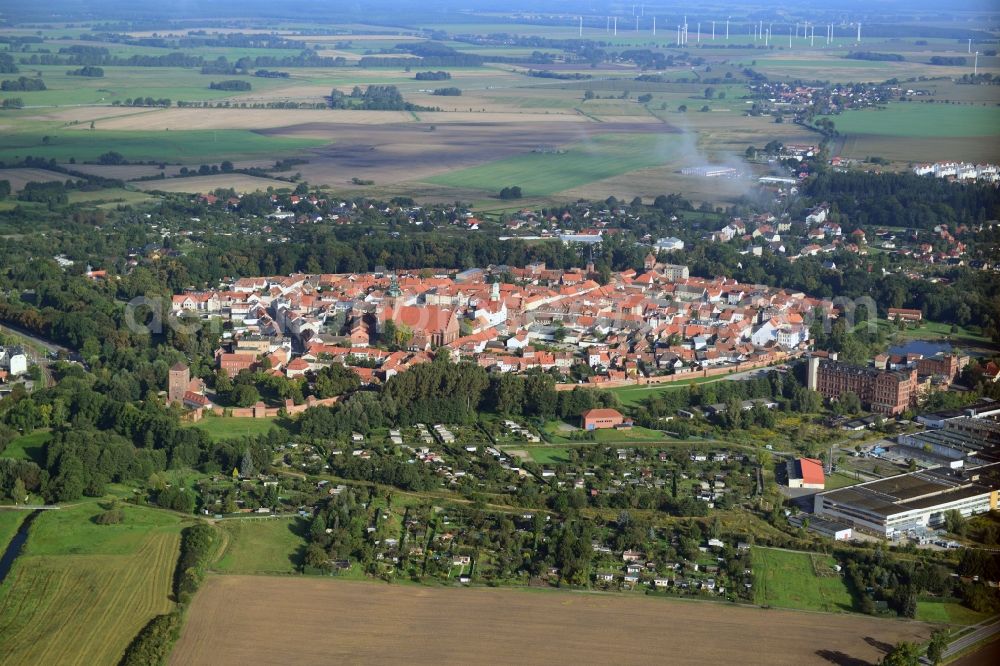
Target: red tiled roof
599	413
812	470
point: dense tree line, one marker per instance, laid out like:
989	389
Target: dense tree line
22	84
445	392
7	65
89	71
876	577
233	84
154	641
197	543
783	388
903	200
372	98
873	55
432	76
949	61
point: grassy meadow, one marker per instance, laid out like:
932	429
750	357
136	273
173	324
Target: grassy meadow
547	455
803	581
28	447
184	146
10	521
228	427
915	120
946	612
542	174
262	545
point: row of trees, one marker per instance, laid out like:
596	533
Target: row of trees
22	84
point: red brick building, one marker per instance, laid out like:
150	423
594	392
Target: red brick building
946	365
596	419
904	314
177	383
432	326
889	392
233	364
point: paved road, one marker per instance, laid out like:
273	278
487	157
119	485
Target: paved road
48	345
983	631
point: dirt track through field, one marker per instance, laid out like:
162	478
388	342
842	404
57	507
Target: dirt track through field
243	620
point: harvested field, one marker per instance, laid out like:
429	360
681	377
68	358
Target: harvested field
80	114
252	619
80	591
132	171
412	151
18	177
925	149
237	181
542	174
124	171
251	119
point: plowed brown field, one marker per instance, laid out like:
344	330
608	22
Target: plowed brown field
260	620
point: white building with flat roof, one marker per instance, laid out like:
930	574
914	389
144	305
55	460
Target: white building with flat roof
917	500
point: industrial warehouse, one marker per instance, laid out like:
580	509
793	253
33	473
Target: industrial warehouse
912	502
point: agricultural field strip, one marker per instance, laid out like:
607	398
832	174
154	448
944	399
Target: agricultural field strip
69	601
269	619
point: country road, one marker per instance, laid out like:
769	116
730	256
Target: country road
982	632
48	345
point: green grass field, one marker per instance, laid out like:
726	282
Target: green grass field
539	174
549	454
266	545
110	196
227	427
80	591
185	146
917	120
819	63
840	480
10	520
948	613
931	330
28	447
122	83
634	395
788	579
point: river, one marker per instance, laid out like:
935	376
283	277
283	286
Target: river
15	546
